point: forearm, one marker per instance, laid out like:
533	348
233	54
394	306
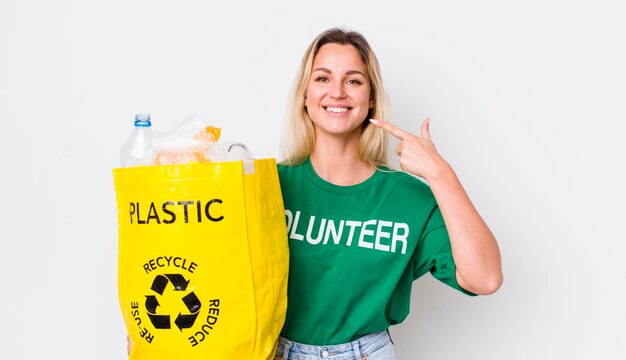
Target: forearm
474	248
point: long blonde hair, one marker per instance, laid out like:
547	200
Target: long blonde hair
299	136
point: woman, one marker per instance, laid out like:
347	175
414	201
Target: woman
359	232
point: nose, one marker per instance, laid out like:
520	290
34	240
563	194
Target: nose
337	90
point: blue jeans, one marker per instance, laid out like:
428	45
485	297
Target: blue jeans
375	346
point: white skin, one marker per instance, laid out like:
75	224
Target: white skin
338	100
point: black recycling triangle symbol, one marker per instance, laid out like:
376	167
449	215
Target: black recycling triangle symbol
182	321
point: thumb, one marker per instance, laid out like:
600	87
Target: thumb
425	129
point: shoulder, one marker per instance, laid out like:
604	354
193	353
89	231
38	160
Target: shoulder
288	173
282	167
404	187
399	178
287	169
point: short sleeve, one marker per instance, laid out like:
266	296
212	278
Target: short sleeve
434	253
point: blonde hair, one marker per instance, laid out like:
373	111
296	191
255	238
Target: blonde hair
299	136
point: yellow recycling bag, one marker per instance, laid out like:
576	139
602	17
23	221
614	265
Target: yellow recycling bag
203	260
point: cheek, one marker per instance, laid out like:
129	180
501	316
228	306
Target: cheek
312	97
366	98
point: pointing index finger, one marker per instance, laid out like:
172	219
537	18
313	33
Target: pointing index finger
392	129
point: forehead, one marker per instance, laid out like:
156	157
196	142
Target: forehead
339	58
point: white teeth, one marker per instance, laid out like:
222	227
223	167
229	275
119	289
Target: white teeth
337	109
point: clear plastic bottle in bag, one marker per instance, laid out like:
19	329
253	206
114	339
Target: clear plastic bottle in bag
137	150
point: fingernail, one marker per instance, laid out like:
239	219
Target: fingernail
374	121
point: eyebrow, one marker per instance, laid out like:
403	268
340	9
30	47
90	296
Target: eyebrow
349	72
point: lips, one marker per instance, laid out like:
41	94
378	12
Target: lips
335	109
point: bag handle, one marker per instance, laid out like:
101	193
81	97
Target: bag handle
239	151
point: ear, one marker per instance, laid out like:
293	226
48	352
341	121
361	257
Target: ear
306	101
371	104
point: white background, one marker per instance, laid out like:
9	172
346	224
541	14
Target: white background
527	101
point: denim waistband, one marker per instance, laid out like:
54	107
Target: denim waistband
357	349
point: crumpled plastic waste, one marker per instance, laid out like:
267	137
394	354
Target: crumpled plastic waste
194	141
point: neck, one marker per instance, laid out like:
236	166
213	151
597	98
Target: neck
339	162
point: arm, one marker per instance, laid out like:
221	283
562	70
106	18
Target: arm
474	248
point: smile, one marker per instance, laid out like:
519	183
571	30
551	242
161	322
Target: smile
336	109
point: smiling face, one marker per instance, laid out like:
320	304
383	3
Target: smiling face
338	95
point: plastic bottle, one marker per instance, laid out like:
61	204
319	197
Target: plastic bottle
137	150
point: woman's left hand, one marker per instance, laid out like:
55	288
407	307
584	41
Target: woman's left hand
418	154
474	248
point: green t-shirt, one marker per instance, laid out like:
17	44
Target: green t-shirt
355	251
